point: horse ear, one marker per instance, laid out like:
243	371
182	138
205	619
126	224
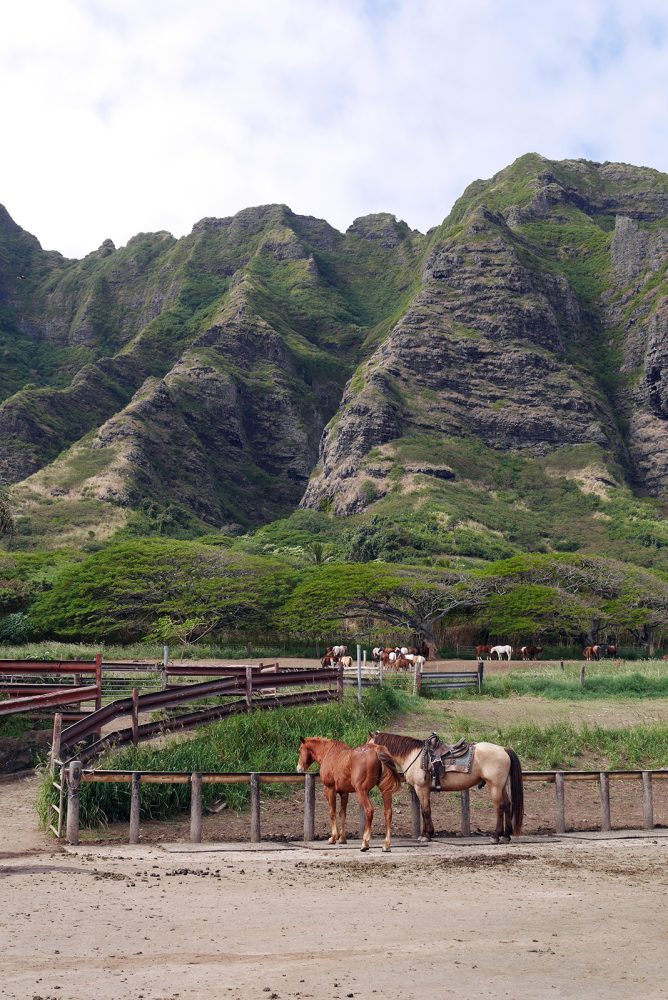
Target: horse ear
301	739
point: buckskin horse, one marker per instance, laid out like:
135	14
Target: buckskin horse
495	766
344	770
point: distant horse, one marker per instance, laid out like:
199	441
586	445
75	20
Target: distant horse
501	652
592	653
611	649
530	652
346	662
344	770
494	765
481	651
339	650
330	660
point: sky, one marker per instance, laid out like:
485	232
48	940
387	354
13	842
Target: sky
127	116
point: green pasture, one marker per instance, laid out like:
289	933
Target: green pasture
566	746
603	680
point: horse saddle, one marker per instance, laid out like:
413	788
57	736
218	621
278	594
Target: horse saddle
439	757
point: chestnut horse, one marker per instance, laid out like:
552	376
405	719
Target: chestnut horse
493	765
344	770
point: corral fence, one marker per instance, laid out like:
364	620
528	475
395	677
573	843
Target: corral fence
259	690
74	775
33	686
258	684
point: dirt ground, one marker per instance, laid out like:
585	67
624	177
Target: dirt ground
567	919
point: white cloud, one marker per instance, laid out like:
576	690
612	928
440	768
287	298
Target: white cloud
121	116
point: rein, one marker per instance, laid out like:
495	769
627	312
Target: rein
414	759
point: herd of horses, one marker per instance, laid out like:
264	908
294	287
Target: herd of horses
389	759
594	652
407	657
394	657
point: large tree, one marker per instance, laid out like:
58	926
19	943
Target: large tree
368	595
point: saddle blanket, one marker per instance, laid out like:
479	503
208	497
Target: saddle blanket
462	764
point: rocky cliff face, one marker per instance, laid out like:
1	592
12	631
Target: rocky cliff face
267	358
538	325
211	364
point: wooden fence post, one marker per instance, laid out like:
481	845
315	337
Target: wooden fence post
560	802
466	812
165	661
135	717
196	808
309	807
380	672
416	814
481	675
582	675
604	789
55	741
339	683
255	833
647	801
249	687
73	796
98	681
359	674
135	803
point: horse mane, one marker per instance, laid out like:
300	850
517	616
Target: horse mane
396	743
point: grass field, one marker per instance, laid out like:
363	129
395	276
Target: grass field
604	680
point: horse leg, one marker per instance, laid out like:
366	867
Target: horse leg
422	792
507	817
497	798
330	795
342	817
387	805
365	802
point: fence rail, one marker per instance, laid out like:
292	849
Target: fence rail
454	679
258	689
75	775
34	697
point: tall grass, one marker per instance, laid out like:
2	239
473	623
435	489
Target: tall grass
571	747
257	741
602	680
53	650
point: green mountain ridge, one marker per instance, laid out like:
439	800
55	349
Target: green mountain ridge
496	386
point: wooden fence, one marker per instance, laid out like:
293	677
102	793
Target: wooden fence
54	684
74	775
259	691
450	680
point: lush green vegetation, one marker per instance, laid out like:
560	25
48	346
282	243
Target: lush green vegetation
258	741
603	680
566	746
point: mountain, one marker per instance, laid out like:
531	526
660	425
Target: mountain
497	384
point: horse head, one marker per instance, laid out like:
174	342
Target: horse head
306	757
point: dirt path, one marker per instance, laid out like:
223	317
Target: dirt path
540	711
561	920
18	826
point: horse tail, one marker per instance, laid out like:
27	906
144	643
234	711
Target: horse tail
390	776
516	791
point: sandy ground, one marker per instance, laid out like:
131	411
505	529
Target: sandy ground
563	918
567	920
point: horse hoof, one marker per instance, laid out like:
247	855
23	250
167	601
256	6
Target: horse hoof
332	840
342	840
494	839
505	840
387	850
364	847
